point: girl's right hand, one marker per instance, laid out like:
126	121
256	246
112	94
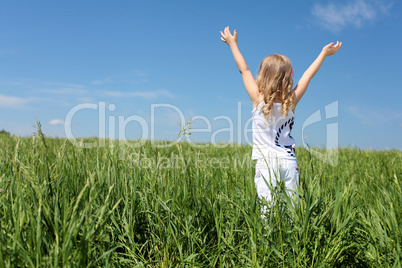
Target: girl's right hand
331	49
228	38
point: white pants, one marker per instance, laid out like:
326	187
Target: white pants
271	171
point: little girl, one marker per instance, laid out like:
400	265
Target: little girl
274	102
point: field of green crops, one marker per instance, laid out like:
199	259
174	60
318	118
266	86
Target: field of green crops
182	206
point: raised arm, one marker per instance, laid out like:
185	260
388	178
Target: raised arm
248	79
301	87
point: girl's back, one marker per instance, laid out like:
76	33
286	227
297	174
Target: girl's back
272	136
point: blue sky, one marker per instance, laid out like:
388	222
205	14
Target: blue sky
164	60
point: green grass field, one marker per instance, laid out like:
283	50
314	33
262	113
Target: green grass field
181	206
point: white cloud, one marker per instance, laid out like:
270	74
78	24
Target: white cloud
86	99
56	122
12	102
372	117
102	81
141	94
133	77
334	17
66	91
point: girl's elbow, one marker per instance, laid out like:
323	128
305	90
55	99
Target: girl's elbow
244	69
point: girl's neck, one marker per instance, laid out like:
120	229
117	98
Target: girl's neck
276	100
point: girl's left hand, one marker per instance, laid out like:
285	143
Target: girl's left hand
331	48
228	38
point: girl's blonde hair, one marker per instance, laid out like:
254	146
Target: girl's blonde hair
275	80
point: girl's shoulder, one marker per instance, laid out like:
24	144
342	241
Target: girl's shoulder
258	106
